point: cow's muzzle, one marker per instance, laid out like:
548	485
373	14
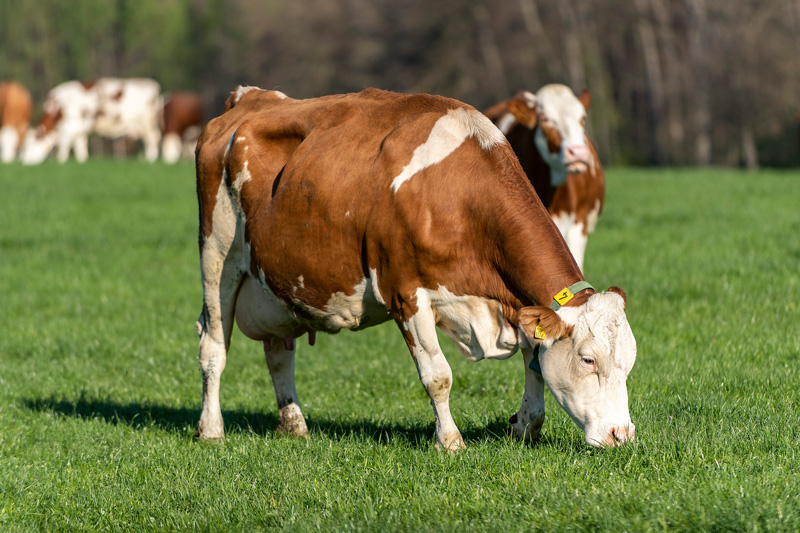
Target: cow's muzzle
619	435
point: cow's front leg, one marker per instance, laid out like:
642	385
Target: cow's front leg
527	423
434	372
280	361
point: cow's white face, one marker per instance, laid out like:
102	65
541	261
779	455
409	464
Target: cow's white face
561	135
586	363
37	146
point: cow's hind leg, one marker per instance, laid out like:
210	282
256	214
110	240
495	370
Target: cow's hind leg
221	274
280	361
214	327
434	371
527	422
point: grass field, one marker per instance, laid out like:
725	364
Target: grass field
100	388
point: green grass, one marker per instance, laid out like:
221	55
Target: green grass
100	388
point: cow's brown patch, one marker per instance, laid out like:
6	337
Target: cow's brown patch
48	123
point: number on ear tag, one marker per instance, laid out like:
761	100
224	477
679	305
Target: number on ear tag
539	333
564	296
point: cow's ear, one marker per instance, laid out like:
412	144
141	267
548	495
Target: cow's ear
542	325
523	112
585	98
621	293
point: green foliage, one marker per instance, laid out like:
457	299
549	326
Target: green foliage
100	389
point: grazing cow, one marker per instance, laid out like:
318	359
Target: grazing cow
547	132
183	121
16	110
109	107
347	211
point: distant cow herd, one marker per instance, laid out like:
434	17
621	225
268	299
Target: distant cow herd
346	211
113	108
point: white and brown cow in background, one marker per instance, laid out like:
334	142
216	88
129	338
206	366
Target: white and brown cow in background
548	133
110	107
343	212
182	124
16	110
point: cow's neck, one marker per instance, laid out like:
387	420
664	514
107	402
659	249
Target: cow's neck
521	138
534	259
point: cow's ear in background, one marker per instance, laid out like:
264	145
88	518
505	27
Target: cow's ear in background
524	109
542	325
619	291
585	98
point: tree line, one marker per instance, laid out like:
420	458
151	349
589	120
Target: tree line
674	82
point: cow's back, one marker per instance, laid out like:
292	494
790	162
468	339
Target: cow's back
333	187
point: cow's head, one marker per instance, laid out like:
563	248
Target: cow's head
585	354
561	133
39	141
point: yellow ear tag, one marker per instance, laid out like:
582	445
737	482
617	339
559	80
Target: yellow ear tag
564	296
539	333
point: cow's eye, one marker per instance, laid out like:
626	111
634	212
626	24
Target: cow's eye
588	361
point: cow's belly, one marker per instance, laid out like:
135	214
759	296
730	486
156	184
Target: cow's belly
475	325
261	315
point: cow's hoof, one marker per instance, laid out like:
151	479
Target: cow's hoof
526	432
453	444
208	438
298	430
292	424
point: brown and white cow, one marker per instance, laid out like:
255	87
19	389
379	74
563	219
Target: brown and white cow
547	132
110	107
16	110
343	212
183	121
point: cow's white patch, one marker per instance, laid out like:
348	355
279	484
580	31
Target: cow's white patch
373	276
506	123
449	132
593	216
240	139
576	232
242	177
475	325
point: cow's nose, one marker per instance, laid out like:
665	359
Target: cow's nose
620	435
577	153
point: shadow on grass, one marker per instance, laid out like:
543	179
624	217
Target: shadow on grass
182	421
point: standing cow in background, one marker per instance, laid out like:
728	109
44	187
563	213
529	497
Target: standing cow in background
182	123
548	133
109	107
16	110
346	211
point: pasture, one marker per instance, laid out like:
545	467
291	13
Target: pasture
100	388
